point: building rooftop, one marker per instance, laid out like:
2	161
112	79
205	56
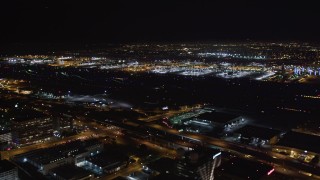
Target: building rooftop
56	153
6	165
169	176
258	132
26	115
188	167
301	141
70	172
217	117
120	178
185	167
45	158
163	165
138	175
243	169
4	132
107	160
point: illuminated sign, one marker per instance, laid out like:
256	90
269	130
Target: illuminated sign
270	172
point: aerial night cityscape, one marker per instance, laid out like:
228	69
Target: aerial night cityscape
139	90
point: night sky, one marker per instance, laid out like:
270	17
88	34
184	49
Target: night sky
157	20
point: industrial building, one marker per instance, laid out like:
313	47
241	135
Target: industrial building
70	172
210	121
73	152
207	119
106	163
220	119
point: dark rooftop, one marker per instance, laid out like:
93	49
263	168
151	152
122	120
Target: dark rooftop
6	165
243	169
45	156
163	165
301	141
120	178
26	115
109	160
4	131
169	176
217	117
258	132
71	172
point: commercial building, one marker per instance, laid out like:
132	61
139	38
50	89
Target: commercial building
241	169
106	163
5	136
5	140
163	166
8	171
63	123
208	121
256	135
32	129
198	164
179	119
73	152
220	119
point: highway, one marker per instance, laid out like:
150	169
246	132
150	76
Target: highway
282	163
47	144
263	154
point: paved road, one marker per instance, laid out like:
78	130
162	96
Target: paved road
13	152
263	154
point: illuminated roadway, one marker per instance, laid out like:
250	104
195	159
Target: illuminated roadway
13	152
281	162
266	155
263	154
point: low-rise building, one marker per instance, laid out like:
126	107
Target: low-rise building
207	121
258	135
8	171
298	145
70	172
73	152
241	169
106	163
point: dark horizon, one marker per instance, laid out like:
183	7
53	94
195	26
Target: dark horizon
45	21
